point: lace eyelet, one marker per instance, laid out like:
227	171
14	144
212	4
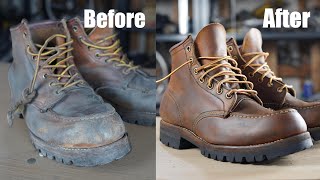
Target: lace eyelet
228	96
220	91
45	76
230	48
251	74
235	57
57	92
188	48
50	84
270	84
195	70
24	34
209	86
191	59
201	80
279	89
75	28
260	80
97	55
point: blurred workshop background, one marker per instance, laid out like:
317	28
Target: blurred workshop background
138	43
294	53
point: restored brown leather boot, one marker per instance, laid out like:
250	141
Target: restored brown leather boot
102	63
209	104
67	121
273	92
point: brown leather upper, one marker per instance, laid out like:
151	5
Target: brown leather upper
270	94
237	120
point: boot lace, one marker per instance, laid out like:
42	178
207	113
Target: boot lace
55	58
114	51
264	69
228	76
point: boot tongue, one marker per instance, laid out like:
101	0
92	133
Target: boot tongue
98	34
211	42
252	42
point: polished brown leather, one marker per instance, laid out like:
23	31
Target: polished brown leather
270	95
238	120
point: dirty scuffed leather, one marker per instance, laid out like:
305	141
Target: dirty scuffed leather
59	107
105	67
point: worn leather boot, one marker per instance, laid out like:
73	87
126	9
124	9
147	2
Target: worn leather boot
102	63
67	121
209	104
273	92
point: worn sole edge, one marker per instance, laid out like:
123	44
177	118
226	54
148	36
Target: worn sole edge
83	156
182	138
315	133
139	118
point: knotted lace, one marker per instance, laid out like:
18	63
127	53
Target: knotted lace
263	68
229	74
114	51
54	58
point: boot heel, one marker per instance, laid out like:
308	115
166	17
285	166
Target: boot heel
171	136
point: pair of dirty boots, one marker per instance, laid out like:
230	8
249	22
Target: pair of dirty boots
74	87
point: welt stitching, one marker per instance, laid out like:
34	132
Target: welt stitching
262	116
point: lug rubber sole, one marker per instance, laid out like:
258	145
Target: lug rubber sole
315	133
139	118
83	156
182	138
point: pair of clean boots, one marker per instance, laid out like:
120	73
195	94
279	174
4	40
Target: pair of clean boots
225	100
70	84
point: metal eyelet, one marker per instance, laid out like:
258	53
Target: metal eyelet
24	34
279	90
45	76
57	92
191	59
220	91
195	70
188	48
97	55
201	80
260	80
251	74
209	86
228	96
230	48
270	84
50	84
75	28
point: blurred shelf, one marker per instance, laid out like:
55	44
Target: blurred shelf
239	37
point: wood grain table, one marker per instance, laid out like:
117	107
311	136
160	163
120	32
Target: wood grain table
20	161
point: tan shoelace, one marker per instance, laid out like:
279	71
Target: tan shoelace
56	52
49	55
263	68
234	72
115	55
